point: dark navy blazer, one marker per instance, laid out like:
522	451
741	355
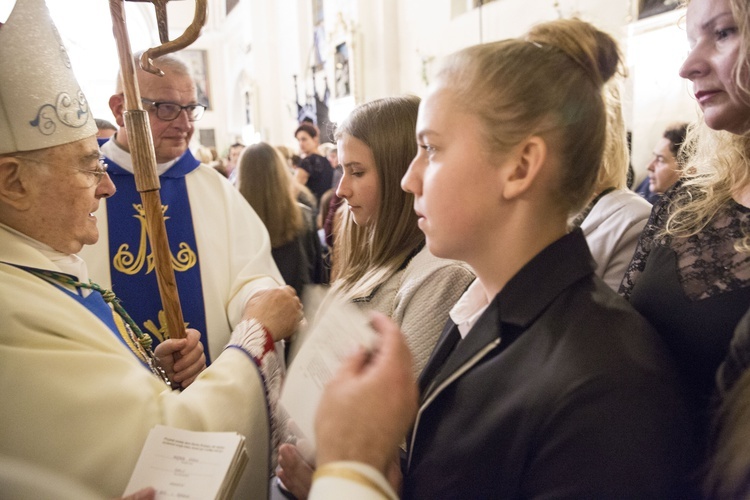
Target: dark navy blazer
560	390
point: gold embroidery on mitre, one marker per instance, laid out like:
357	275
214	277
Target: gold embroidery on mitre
125	262
160	332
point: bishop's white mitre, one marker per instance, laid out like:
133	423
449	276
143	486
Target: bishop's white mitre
41	103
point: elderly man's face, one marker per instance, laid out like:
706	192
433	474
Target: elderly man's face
65	193
171	138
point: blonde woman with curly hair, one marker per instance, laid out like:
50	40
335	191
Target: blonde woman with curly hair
690	275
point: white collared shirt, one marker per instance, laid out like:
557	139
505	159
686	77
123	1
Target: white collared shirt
114	152
469	308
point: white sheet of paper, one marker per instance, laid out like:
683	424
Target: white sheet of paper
339	328
184	464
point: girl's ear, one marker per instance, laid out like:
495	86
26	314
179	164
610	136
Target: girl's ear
529	157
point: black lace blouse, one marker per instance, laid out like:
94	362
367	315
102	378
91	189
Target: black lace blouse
693	290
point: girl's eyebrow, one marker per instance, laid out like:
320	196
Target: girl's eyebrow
709	24
422	133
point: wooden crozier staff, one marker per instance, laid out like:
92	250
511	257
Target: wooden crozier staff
142	144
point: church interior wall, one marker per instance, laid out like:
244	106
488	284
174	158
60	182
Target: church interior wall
393	46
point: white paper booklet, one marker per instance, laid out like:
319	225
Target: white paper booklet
338	329
188	464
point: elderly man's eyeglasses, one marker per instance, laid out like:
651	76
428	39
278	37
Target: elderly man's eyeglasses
169	111
95	175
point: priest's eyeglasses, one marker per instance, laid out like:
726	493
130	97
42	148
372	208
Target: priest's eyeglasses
169	111
95	175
